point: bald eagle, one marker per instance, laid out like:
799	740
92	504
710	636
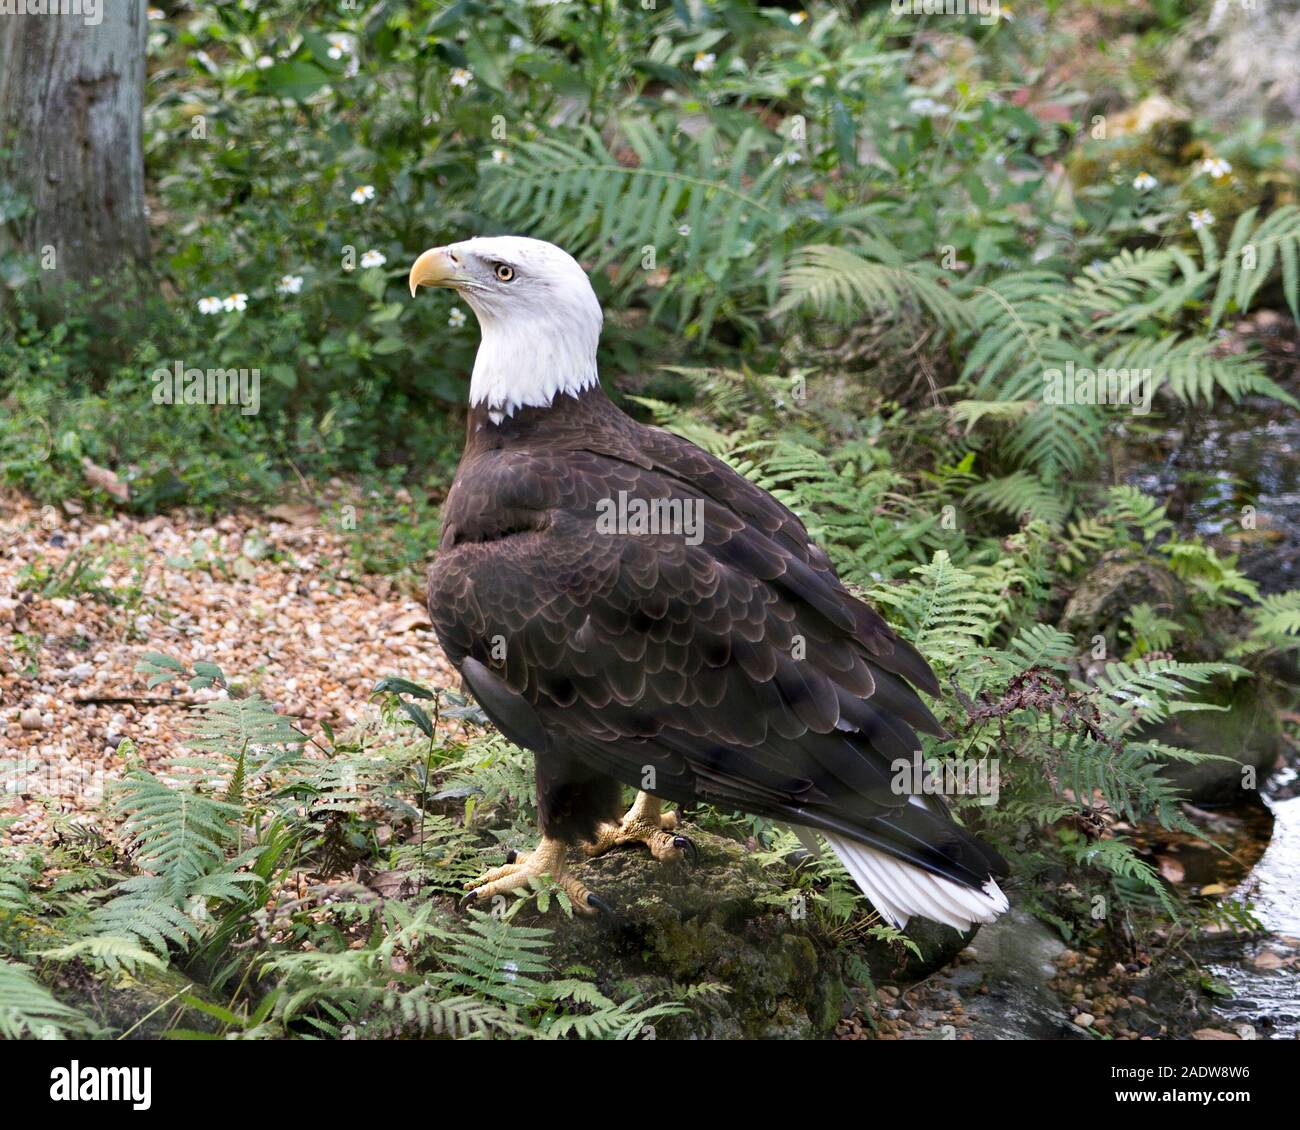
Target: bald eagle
634	612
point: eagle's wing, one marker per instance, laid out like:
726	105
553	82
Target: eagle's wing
736	670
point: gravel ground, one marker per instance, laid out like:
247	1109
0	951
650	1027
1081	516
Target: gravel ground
270	598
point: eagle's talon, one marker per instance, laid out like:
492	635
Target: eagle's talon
687	845
644	824
522	867
598	903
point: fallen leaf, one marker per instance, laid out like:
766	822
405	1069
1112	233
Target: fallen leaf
392	884
1214	1034
1214	889
408	620
295	513
1171	869
105	480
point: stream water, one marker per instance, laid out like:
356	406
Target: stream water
1244	456
1257	979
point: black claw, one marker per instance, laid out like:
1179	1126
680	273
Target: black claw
598	903
470	896
511	856
686	844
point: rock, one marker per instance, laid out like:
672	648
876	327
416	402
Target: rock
1238	61
1085	1020
31	719
1108	593
1214	1034
1248	729
677	925
145	1005
939	946
1006	995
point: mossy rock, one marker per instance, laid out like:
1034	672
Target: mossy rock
1249	731
939	946
720	921
1108	593
676	924
1157	137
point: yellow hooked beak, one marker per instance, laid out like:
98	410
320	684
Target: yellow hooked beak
436	267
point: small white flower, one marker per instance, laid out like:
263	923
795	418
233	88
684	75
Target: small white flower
235	302
461	77
704	62
362	194
264	61
797	18
456	318
1215	167
1145	182
684	230
290	284
338	46
499	157
789	157
1203	218
373	259
926	106
209	305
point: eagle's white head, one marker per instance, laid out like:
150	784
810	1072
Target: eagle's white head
538	315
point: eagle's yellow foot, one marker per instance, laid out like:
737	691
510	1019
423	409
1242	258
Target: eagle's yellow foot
546	859
644	823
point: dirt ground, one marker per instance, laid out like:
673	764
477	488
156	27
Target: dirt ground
271	599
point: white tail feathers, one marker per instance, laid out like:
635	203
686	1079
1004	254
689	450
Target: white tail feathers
899	890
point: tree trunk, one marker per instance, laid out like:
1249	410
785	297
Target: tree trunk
71	149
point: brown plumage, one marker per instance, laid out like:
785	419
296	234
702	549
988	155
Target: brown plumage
624	653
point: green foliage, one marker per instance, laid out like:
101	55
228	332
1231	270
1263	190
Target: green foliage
711	209
732	178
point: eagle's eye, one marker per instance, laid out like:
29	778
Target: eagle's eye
505	272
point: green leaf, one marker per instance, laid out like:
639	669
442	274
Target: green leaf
296	78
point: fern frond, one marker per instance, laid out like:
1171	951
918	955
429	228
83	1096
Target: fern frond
710	212
842	284
1022	493
943	611
177	834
